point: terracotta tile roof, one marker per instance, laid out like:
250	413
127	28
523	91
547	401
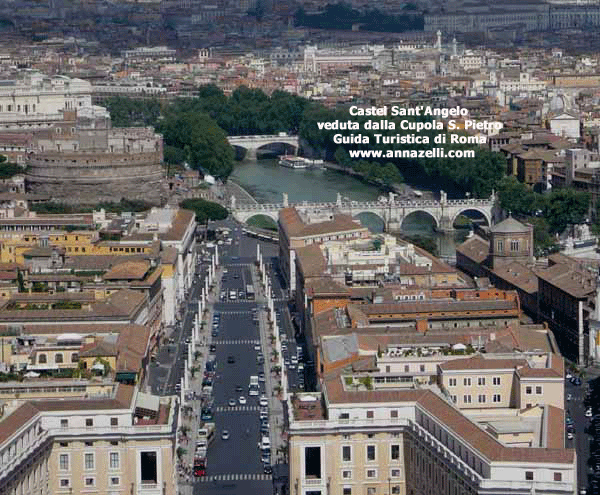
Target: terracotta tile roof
182	220
475	248
555	427
325	286
478	362
431	306
571	279
128	270
294	226
310	260
518	275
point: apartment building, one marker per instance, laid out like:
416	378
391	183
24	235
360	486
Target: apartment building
122	442
298	229
358	441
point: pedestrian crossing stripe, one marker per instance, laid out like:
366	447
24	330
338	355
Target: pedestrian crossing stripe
234	477
226	312
236	408
236	342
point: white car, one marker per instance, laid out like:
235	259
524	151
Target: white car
588	412
225	435
569	397
569	436
263	402
232	403
257	347
242	400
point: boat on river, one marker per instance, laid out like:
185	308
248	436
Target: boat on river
293	161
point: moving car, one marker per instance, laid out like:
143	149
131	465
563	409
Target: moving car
242	400
232	403
225	435
264	402
231	359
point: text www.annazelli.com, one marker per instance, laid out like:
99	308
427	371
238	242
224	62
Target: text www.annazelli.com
431	153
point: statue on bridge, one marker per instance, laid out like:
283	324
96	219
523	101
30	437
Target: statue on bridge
338	199
286	202
232	202
443	197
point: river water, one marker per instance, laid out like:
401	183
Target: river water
266	181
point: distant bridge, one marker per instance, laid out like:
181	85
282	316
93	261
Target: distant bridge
391	212
253	143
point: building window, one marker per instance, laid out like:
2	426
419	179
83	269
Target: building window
114	481
467	399
481	381
346	453
395	452
406	368
90	481
528	390
370	414
58	358
467	382
371	473
497	398
496	380
64	483
395	489
557	476
393	413
89	422
422	368
370	452
63	462
529	475
88	461
514	245
481	398
64	423
347	474
88	444
500	246
114	421
347	491
64	444
452	382
114	460
42	359
395	473
312	463
538	390
454	398
371	490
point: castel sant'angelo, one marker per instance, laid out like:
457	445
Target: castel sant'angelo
75	154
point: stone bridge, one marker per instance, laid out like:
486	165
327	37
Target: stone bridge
391	211
253	143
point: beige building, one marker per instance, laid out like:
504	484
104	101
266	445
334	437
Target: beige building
355	440
122	443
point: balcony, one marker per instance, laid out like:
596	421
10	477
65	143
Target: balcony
312	481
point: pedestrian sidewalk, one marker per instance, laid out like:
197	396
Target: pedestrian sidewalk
275	405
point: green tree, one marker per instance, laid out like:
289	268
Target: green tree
8	169
205	210
566	207
203	141
516	197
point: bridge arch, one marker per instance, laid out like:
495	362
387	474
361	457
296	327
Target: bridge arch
263	221
374	221
481	211
436	223
285	147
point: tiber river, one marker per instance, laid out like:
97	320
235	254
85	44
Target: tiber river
267	181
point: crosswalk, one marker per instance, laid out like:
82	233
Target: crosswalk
237	409
226	312
236	342
234	477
